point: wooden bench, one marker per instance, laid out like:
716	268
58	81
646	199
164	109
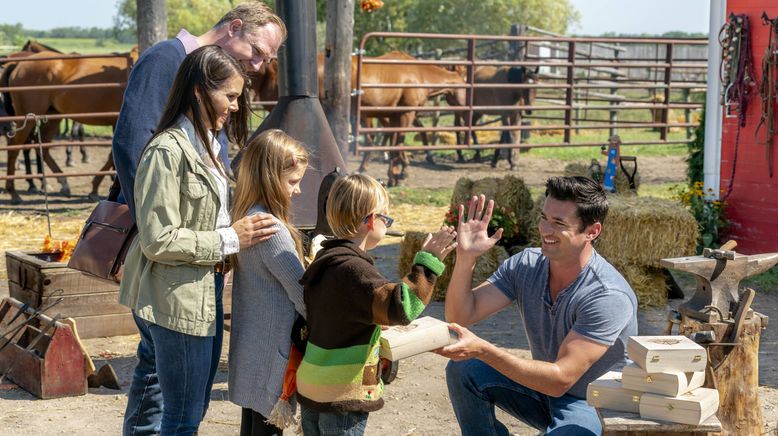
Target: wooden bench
631	424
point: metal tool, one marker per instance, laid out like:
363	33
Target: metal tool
718	278
13	331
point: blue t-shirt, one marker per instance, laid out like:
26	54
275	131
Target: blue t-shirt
599	305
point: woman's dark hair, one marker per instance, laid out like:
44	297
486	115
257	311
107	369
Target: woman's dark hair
206	69
588	195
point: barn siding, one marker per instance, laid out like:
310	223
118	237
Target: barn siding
752	207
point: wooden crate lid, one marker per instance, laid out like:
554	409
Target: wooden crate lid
663	343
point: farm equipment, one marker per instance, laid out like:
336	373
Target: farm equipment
615	161
718	273
719	317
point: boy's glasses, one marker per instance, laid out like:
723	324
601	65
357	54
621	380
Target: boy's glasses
388	221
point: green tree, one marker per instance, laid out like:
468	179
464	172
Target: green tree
196	16
485	17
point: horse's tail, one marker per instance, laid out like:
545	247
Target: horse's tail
4	82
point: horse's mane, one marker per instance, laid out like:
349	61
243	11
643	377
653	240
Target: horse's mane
35	47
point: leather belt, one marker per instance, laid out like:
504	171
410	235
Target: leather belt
222	267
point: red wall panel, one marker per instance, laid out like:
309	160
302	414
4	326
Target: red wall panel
752	206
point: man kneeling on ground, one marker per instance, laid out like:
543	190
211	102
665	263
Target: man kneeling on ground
577	310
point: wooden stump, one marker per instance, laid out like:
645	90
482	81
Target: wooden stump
735	373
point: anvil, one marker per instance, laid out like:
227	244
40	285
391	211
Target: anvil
718	280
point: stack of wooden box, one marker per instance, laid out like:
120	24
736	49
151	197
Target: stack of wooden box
664	382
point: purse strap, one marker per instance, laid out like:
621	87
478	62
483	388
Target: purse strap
115	190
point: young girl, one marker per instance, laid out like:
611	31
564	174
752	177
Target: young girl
174	269
266	293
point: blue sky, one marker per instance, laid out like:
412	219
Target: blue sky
641	16
597	16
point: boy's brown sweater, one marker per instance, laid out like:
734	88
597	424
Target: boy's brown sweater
347	301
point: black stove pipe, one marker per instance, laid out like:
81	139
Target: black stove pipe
299	112
297	58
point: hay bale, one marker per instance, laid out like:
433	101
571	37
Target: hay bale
509	192
648	283
642	230
486	265
621	181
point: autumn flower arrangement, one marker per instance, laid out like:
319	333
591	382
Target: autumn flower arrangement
708	213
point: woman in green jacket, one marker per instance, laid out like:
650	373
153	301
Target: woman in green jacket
174	269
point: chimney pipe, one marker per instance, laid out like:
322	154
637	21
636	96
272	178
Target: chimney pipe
299	112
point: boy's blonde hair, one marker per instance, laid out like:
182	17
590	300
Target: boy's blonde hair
269	157
351	199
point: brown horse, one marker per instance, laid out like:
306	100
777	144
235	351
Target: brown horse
264	84
6	109
62	72
399	97
501	97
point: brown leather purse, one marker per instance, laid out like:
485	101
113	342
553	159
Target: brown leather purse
105	239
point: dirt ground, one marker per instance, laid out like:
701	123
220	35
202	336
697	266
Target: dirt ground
416	403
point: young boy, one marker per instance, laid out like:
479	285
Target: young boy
347	299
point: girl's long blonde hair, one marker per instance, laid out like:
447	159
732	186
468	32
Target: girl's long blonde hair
267	159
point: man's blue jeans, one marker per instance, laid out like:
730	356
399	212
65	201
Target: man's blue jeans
315	423
171	386
475	388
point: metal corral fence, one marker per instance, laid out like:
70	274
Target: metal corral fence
18	119
584	84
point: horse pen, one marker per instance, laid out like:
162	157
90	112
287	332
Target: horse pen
585	90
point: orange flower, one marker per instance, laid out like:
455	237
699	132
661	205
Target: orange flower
371	5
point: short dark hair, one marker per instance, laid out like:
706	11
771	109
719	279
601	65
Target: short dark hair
588	195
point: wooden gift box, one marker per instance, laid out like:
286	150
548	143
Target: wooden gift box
607	392
692	408
671	383
667	353
423	334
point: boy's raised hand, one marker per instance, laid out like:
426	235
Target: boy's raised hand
441	243
472	237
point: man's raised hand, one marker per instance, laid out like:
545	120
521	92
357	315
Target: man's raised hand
473	239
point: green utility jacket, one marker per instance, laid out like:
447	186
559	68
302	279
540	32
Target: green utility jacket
169	276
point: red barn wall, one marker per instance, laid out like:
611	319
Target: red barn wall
752	206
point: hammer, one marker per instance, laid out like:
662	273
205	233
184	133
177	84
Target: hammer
726	251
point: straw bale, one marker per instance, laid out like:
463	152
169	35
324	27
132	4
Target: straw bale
648	283
642	230
621	181
485	266
509	192
413	217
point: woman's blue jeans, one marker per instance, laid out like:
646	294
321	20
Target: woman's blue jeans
475	388
171	386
